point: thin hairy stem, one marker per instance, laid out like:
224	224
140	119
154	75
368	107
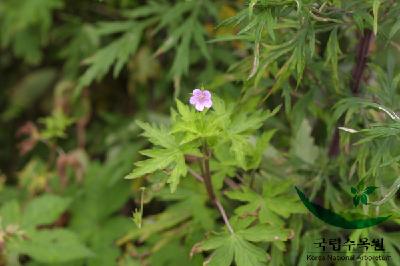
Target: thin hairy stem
196	175
227	181
210	189
207	174
223	214
230	183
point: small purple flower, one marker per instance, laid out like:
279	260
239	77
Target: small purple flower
201	99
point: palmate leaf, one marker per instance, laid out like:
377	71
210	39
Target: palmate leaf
273	205
186	120
303	144
258	150
156	224
233	247
81	43
223	166
171	157
157	135
193	200
182	32
45	246
199	39
103	242
116	53
181	61
10	213
54	246
239	246
175	253
173	13
179	170
98	202
332	53
44	210
239	130
190	32
264	233
25	25
195	125
240	147
161	159
232	128
244	122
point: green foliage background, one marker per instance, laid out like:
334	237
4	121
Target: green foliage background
77	77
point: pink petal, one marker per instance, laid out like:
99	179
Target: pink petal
199	107
197	92
207	94
193	100
207	103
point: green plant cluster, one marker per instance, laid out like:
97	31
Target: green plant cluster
305	93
